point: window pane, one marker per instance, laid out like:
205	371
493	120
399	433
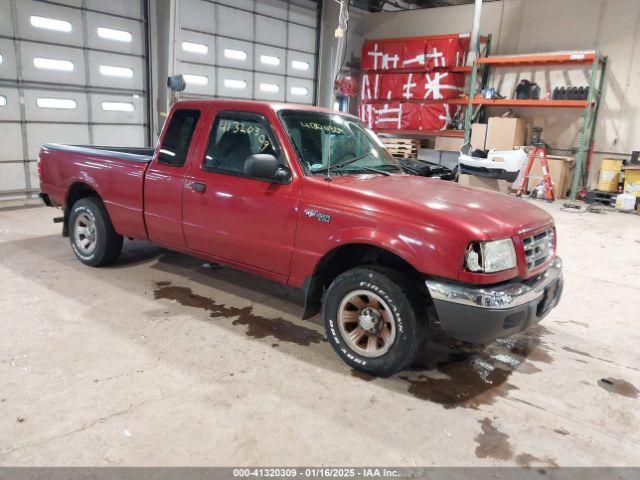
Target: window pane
175	144
233	140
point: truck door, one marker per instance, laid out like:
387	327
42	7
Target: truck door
230	215
163	186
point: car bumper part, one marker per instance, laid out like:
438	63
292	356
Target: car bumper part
482	314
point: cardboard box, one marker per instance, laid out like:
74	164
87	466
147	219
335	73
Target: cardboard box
494	184
478	135
505	133
449	144
560	170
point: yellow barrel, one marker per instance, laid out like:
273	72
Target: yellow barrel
632	180
609	174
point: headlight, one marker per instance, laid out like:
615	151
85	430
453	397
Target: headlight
490	257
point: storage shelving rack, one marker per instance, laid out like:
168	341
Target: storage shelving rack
484	51
589	107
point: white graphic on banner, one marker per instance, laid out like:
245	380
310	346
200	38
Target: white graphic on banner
408	86
384	58
368	93
393	115
433	86
438	58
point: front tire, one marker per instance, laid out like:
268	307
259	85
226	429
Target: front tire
375	320
93	239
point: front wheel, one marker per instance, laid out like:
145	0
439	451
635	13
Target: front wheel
375	320
93	239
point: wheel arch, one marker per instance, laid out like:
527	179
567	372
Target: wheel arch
343	258
76	191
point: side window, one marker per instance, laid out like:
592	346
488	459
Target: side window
233	139
176	142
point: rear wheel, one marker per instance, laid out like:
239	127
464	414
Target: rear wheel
93	239
375	320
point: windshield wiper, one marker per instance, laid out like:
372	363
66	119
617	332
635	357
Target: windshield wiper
342	164
375	170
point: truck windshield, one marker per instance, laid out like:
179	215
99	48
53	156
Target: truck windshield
336	144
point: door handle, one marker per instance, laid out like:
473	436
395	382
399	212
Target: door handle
198	187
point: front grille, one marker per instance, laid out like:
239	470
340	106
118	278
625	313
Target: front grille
538	248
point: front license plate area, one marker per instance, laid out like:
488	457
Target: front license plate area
548	299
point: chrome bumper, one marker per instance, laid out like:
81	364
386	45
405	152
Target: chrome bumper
499	297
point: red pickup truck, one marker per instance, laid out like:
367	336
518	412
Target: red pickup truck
310	198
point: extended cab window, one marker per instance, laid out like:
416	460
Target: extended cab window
176	142
234	138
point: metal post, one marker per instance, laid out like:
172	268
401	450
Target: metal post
475	33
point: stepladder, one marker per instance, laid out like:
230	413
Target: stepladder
539	152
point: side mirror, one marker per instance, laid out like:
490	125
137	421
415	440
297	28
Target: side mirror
266	167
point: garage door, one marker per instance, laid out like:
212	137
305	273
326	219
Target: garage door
246	49
71	71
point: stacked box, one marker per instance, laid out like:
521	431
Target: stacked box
407	82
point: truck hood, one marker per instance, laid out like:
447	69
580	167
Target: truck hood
485	213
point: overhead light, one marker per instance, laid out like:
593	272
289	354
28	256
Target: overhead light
302	91
196	79
3	101
111	71
195	48
118	106
235	54
52	64
269	87
269	60
1	58
231	83
50	24
61	103
117	35
300	65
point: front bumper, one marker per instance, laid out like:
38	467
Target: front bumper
482	314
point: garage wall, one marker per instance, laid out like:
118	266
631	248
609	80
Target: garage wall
246	49
522	26
71	71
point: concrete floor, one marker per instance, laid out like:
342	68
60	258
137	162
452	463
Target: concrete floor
160	360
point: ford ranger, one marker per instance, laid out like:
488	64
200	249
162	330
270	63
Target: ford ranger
310	198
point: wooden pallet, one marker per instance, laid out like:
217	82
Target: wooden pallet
402	147
602	198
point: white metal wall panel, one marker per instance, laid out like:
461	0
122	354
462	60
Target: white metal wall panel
78	103
118	109
30	51
263	88
98	61
271	52
198	15
198	39
12	177
254	47
28	8
203	72
227	44
304	38
6	25
293	84
271	31
8	69
119	135
11	150
226	75
41	133
126	8
35	112
99	20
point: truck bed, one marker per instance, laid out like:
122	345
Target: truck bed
116	174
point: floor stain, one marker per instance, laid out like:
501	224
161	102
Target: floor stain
469	378
362	375
526	459
561	431
585	354
492	443
257	326
621	387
